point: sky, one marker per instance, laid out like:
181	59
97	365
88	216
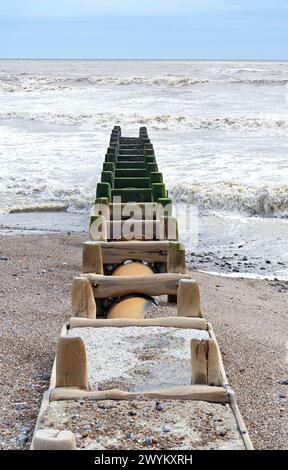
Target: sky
144	29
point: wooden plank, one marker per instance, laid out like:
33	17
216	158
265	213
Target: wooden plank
117	252
169	322
113	286
192	392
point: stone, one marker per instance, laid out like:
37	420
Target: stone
166	429
160	407
148	441
22	438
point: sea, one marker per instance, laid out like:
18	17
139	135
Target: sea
219	131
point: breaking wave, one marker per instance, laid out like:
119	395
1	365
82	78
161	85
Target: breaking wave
157	122
29	83
231	197
223	197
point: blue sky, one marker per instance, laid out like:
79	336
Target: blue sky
172	29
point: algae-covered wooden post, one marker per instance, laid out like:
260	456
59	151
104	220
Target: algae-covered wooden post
83	302
71	363
53	439
103	190
205	362
92	261
188	299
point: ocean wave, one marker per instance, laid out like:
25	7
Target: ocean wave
231	197
157	122
44	207
220	197
29	83
26	83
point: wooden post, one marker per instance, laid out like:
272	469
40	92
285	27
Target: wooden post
171	228
92	261
188	299
83	302
53	439
175	263
71	363
205	362
214	371
199	354
176	258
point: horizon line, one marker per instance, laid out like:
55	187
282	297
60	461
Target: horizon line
145	59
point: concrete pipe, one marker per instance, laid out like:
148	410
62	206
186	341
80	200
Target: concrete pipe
134	306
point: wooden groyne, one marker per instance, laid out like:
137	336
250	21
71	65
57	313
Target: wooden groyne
155	369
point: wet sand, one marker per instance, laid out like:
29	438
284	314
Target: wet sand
249	318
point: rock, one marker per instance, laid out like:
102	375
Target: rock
166	429
44	271
222	433
25	430
148	441
283	382
267	261
132	413
281	396
22	438
45	376
130	435
3	258
160	407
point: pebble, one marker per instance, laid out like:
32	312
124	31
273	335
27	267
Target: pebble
130	435
283	382
45	376
132	413
148	441
166	429
160	407
44	271
281	396
3	258
25	430
22	438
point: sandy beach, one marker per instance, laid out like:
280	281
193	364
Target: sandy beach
249	318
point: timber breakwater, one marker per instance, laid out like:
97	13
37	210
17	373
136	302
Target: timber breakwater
137	365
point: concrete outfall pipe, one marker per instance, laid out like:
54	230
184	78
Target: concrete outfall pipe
133	306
